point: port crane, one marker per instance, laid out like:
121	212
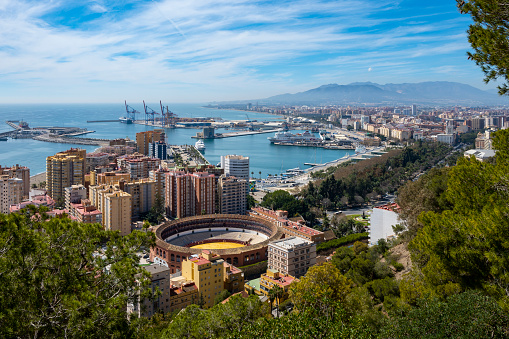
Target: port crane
168	118
131	112
149	114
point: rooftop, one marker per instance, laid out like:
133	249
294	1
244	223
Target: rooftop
390	207
301	228
290	243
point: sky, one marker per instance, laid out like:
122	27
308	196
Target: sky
215	50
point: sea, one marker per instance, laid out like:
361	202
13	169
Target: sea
263	156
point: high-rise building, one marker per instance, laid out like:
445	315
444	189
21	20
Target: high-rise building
292	256
237	166
143	195
179	197
204	192
232	195
74	194
115	206
159	150
117	212
20	172
144	139
159	177
11	192
65	169
414	110
189	194
207	272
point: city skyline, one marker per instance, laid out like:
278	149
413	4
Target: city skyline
201	51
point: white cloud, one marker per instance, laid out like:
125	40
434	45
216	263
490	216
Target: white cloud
242	48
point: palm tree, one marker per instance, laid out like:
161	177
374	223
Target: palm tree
260	175
252	174
276	293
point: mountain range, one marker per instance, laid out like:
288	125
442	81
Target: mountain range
441	93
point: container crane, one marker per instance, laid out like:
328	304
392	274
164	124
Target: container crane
131	113
149	114
168	118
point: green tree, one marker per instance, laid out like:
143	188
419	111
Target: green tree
489	37
60	278
466	315
321	285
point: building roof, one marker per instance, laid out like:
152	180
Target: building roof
290	243
153	269
390	207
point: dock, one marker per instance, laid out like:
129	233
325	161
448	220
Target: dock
92	121
239	134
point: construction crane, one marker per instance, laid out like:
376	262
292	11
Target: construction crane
149	114
131	112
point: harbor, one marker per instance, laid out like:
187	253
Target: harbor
265	157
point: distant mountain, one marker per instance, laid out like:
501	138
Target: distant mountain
427	93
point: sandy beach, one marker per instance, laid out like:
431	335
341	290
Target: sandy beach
37	179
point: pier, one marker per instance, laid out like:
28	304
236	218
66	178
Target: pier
238	134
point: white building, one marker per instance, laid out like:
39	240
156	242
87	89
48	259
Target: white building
74	194
382	220
445	138
292	256
236	165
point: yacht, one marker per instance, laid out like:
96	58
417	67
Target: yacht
200	145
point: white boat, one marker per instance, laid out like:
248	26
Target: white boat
291	138
200	145
126	120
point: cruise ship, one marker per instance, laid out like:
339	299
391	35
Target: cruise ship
200	145
287	137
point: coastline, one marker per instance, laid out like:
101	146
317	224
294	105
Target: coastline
37	179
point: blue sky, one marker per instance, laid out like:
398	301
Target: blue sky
206	50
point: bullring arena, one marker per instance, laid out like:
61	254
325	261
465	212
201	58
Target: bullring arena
239	239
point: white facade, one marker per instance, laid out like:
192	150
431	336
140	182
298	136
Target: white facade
382	220
236	165
292	256
446	138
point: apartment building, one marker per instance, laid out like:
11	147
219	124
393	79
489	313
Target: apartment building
20	172
143	196
232	195
292	256
74	194
85	212
273	278
115	206
160	279
189	194
11	192
207	271
237	166
159	177
117	212
138	165
108	178
144	139
65	169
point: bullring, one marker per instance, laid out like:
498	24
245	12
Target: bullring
175	239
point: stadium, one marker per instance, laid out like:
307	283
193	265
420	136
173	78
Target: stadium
239	239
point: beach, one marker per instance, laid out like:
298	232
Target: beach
37	179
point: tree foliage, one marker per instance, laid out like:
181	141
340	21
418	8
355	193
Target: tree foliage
489	37
466	245
60	278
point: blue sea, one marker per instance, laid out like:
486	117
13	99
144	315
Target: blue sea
264	157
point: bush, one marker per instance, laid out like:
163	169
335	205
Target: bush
335	243
398	266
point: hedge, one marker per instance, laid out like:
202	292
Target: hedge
335	243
